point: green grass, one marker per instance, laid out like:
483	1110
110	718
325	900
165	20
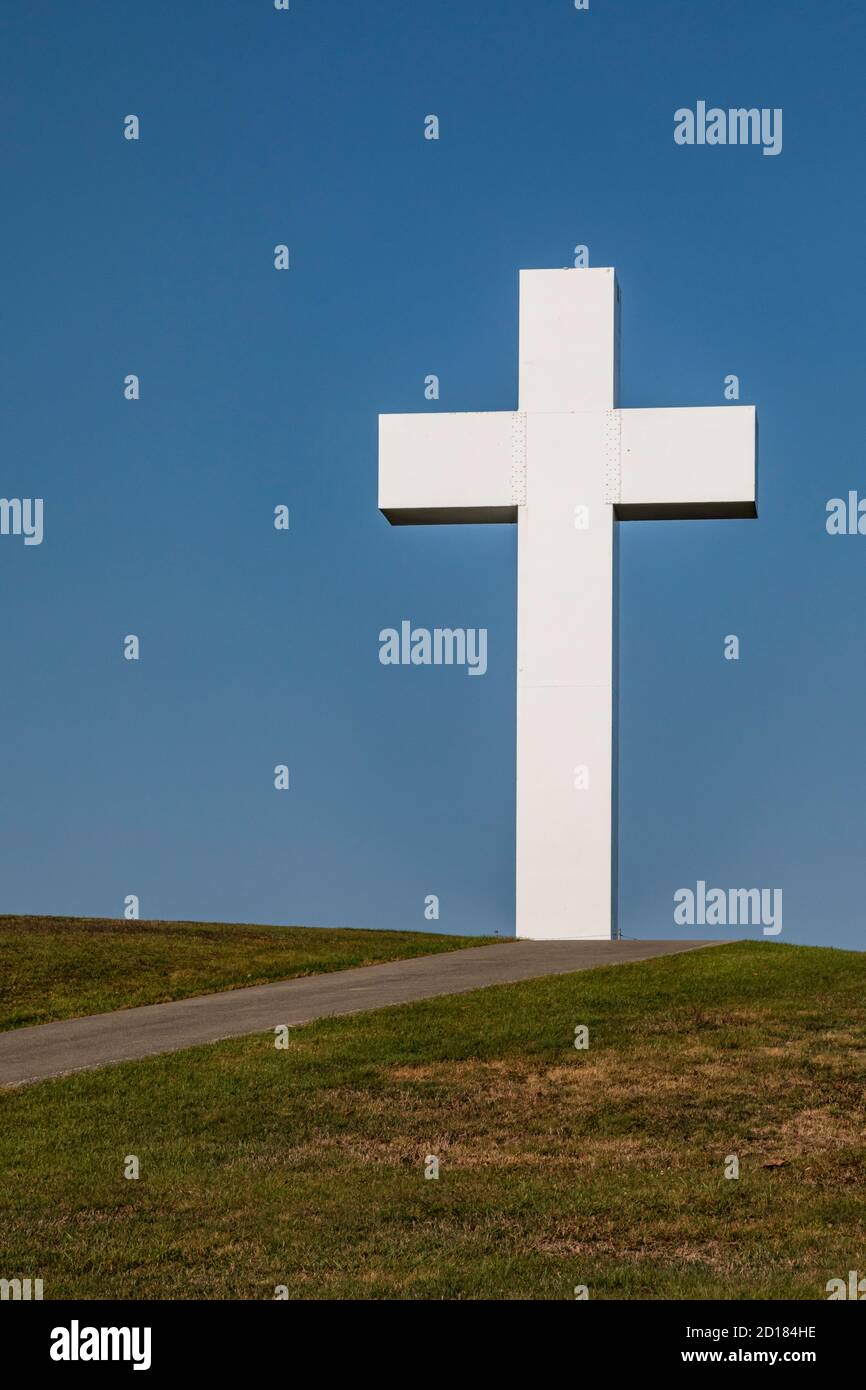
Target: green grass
603	1167
64	967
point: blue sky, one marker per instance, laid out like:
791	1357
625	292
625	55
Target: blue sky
261	387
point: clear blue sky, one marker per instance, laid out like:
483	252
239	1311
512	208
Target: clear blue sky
259	387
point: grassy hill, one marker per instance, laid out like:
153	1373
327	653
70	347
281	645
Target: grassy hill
558	1167
64	967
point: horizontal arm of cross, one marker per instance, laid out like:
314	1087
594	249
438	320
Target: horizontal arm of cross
451	467
668	463
687	462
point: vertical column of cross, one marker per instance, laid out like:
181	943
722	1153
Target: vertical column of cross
566	640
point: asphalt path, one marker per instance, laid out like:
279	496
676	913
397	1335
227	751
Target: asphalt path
98	1040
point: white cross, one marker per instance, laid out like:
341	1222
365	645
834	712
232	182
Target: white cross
567	465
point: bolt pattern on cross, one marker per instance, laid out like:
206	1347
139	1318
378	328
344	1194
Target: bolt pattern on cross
567	465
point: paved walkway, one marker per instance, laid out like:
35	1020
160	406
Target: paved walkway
77	1044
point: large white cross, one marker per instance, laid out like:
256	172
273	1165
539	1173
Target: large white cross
567	465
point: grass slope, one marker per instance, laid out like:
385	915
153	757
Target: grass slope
64	967
558	1167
